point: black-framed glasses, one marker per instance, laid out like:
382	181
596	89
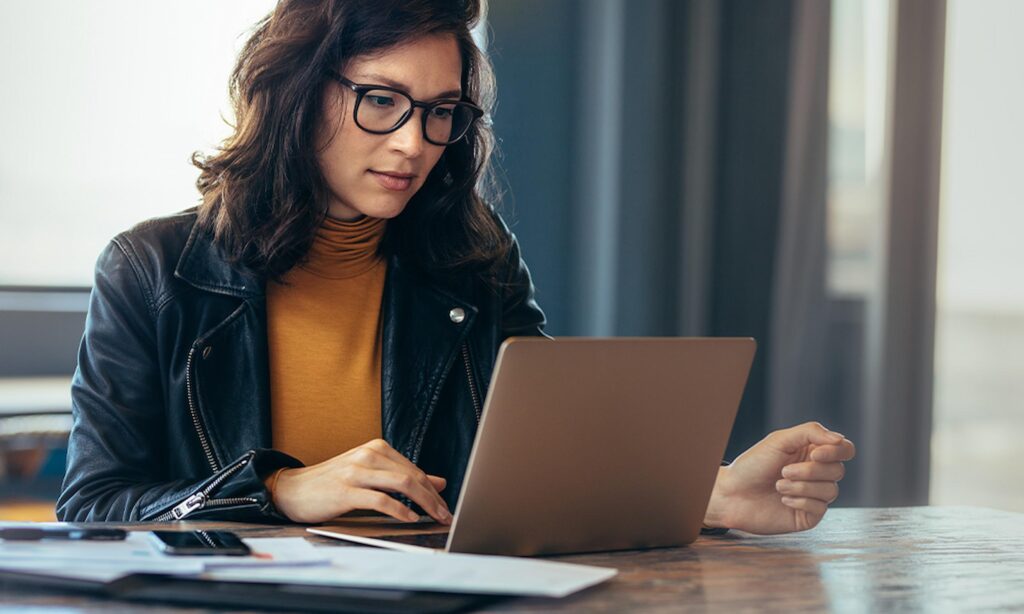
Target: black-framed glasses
380	109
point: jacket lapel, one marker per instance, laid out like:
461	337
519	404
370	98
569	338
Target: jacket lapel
202	264
421	340
229	356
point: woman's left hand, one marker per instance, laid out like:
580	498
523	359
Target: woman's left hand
784	483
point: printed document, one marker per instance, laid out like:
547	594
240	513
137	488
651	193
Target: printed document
445	572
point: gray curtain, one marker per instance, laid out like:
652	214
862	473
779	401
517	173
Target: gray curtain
900	338
800	305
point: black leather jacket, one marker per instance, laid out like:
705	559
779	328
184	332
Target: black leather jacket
171	395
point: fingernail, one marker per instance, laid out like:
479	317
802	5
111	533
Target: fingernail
787	472
788	500
781	484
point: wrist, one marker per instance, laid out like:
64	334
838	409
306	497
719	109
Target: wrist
291	496
271	482
274	483
715	517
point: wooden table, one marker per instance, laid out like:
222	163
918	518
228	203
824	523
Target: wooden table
857	560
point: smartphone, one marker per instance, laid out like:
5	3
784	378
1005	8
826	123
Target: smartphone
201	543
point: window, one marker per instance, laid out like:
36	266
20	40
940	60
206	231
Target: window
103	104
858	151
979	361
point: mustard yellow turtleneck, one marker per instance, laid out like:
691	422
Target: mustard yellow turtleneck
324	336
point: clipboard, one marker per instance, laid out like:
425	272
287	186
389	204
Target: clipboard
179	590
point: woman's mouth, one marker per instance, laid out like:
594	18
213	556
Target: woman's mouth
397	182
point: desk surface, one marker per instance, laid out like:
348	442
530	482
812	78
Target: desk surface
857	560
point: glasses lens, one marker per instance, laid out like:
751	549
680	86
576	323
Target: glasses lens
447	123
382	110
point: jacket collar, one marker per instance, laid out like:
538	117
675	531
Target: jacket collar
203	265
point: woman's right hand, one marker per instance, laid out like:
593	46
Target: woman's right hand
359	480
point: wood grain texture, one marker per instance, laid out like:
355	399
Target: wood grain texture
857	560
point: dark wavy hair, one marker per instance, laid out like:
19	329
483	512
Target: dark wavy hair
263	195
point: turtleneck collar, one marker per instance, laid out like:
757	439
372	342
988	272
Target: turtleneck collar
345	249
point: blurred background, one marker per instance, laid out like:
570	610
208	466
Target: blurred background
838	179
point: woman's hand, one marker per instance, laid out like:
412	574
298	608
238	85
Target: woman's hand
359	480
783	483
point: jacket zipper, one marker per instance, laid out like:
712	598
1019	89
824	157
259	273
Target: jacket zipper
204	441
200	499
472	382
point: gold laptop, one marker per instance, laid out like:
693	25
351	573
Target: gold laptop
594	444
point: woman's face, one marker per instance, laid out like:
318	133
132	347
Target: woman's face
356	164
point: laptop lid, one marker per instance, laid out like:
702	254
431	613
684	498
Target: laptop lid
589	444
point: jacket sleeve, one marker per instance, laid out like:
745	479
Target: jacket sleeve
521	316
118	443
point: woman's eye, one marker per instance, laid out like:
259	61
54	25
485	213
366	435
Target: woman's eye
381	101
442	112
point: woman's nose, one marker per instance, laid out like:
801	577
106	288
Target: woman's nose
409	139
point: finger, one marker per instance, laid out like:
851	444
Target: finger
364	499
822	491
386	451
437	482
811	506
424	495
791	440
843	451
814	471
377	454
405	484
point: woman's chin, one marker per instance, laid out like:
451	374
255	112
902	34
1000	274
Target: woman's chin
382	208
386	213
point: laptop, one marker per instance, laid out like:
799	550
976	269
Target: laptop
595	444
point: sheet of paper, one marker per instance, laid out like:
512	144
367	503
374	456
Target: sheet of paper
136	548
467	573
138	553
102	571
273	552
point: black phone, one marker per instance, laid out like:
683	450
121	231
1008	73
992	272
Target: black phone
208	543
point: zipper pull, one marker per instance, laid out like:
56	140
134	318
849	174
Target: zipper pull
188	506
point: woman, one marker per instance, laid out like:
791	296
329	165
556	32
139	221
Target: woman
317	336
